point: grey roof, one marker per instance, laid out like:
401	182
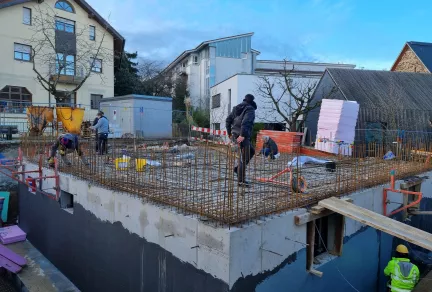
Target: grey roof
423	52
136	96
374	89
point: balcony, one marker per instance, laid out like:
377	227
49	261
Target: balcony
75	76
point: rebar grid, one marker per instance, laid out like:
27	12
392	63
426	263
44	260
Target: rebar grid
199	179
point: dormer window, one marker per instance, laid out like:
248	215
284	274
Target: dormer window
64	5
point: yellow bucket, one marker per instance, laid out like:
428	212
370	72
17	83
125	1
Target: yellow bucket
71	119
38	117
140	163
121	163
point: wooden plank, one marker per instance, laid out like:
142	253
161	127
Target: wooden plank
316	273
309	216
310	240
380	222
420	212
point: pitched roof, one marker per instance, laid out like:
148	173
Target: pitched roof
423	51
119	40
373	89
187	52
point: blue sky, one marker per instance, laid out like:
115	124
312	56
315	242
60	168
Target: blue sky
367	33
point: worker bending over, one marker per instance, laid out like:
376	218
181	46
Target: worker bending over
270	148
404	274
65	144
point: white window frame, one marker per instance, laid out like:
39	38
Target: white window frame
24	50
94	68
92	28
66	62
66	23
27	19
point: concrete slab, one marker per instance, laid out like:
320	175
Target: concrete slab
39	274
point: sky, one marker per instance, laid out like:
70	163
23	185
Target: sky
367	33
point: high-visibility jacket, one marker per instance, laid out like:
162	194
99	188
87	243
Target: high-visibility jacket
404	275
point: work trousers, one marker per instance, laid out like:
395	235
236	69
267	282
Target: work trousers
247	152
102	143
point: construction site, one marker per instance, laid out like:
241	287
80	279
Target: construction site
169	214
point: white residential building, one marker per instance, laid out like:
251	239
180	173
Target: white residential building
230	92
212	62
227	68
74	26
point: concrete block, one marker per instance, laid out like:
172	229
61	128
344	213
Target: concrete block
245	252
274	234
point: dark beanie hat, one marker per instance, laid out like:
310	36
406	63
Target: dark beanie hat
249	98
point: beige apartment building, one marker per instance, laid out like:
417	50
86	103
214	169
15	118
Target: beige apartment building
61	55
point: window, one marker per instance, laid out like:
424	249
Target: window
65	65
216	100
66	201
15	99
184	64
66	25
207	87
27	17
229	101
324	239
207	67
92	33
64	98
195	59
22	52
64	5
96	66
95	101
216	126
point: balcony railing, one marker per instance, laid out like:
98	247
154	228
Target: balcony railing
66	76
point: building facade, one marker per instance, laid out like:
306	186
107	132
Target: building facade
211	62
230	92
74	24
219	72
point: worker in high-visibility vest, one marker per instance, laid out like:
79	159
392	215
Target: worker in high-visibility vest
404	274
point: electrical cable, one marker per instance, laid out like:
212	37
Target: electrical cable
346	280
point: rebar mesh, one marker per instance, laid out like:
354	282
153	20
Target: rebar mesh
199	178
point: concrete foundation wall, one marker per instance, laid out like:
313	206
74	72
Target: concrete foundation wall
113	231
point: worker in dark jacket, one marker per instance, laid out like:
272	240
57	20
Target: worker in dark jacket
270	148
239	125
65	144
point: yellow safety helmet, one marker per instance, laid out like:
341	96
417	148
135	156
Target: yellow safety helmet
402	249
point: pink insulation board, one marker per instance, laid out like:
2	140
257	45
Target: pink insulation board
11	234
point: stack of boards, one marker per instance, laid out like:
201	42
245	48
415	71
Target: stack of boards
336	126
8	259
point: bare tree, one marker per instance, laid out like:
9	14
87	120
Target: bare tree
291	98
62	52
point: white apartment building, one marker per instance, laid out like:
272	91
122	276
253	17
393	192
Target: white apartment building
74	22
230	92
212	62
220	72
